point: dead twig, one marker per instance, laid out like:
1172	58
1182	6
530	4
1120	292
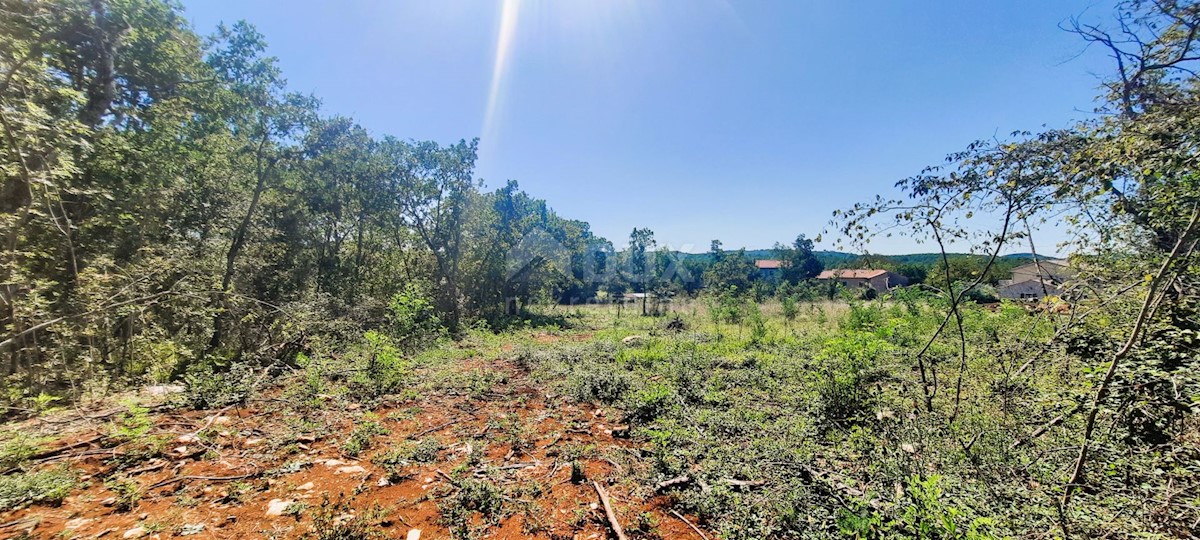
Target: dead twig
608	510
672	482
689	524
433	429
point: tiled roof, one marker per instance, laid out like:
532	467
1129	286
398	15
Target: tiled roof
768	264
861	273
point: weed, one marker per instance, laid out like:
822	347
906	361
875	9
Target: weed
598	382
473	496
17	447
128	492
396	459
328	523
360	439
209	388
49	487
131	424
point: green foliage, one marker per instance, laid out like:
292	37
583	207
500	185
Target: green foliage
360	439
46	487
597	382
472	497
128	492
924	514
413	318
650	402
16	448
131	424
382	367
849	366
328	523
209	388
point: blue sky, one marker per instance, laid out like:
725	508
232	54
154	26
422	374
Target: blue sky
744	121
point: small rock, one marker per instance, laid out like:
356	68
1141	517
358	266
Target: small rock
254	442
111	501
909	447
594	506
351	469
428	479
77	523
187	438
277	506
181	450
413	534
333	462
306	487
136	532
144	517
191	528
216	420
104	532
383	482
632	340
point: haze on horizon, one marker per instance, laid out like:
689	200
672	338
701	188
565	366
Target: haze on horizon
747	123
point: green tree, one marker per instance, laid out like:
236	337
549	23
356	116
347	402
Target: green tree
640	242
799	262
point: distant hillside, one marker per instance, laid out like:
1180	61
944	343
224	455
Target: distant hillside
834	259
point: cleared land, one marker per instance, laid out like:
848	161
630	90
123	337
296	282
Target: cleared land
717	420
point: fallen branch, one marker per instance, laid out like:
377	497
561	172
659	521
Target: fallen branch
433	429
689	524
521	465
743	483
672	482
1039	431
608	510
61	449
443	474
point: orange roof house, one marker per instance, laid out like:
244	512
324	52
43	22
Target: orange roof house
872	278
769	268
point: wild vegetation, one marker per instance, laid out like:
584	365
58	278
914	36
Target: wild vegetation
351	333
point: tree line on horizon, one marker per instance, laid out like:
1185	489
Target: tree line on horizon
166	195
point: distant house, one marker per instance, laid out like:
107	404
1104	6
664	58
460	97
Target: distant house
1036	280
880	280
768	268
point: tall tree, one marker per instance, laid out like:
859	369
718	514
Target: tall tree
799	261
641	241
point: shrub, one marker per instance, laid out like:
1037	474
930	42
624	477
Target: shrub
598	382
360	439
847	371
328	523
128	493
472	496
413	318
651	402
383	367
51	486
208	388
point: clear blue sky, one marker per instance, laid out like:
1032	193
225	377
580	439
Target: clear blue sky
744	121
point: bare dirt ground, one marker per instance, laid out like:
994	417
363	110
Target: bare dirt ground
244	472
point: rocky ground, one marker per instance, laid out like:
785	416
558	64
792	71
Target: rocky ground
510	461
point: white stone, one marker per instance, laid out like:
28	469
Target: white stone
306	487
77	523
413	534
351	469
136	532
277	506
